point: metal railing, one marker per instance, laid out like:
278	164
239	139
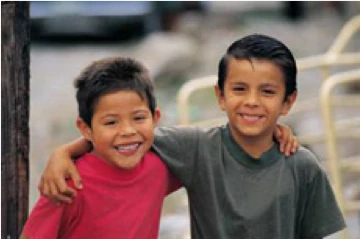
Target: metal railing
333	57
336	164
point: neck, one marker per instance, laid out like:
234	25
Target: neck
254	146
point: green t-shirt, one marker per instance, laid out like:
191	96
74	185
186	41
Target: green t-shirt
232	195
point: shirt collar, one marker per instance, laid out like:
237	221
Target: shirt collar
266	159
109	171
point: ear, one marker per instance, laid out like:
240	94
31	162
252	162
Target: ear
287	105
220	97
156	117
84	129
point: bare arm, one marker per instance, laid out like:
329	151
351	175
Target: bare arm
60	168
76	148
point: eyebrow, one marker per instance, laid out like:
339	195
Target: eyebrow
267	84
270	85
134	112
238	83
109	115
141	111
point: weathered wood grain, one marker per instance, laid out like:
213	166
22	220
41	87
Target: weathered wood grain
15	57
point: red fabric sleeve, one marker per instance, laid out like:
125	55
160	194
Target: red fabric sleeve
174	183
49	220
44	220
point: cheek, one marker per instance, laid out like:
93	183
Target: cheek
149	134
232	102
147	131
103	135
279	109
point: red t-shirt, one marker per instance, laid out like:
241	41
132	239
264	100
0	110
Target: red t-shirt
114	203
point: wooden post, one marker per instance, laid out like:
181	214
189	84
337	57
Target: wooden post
15	55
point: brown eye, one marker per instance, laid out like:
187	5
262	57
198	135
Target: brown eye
140	118
269	91
238	89
110	122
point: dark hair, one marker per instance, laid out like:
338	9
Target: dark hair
259	46
108	76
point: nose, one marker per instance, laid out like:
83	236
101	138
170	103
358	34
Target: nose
252	99
127	130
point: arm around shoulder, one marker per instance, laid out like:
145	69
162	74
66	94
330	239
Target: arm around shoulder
59	168
177	147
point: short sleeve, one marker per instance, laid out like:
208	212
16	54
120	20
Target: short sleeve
322	215
177	147
174	183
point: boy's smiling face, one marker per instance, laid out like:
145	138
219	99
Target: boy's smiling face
122	128
253	98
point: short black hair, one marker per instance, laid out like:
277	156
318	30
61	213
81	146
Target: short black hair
257	46
107	76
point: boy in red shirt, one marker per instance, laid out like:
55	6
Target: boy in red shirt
125	183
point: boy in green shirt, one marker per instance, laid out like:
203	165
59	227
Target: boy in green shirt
238	183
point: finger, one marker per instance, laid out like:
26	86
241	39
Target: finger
54	193
64	188
282	144
76	178
285	147
289	146
295	146
64	193
60	198
53	201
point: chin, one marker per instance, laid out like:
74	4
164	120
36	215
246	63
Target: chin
129	166
250	135
249	132
124	164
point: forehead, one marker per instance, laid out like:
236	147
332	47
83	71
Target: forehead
254	69
121	99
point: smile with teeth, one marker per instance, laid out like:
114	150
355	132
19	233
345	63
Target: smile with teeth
127	147
251	118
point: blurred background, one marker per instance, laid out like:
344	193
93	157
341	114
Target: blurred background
180	41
